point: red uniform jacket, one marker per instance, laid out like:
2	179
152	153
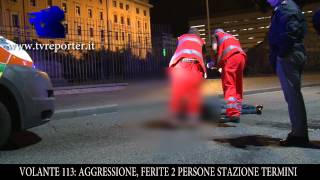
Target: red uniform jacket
228	45
190	46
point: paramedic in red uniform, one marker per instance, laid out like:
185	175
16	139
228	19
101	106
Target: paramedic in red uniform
230	57
186	71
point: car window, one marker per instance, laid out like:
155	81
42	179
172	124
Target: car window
4	44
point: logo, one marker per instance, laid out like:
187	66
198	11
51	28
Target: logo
48	23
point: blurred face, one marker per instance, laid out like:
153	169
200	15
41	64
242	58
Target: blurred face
273	3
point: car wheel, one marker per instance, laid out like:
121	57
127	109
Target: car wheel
5	124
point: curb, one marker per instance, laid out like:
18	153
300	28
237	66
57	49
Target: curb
70	90
274	89
80	112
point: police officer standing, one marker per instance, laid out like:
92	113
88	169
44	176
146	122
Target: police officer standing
288	56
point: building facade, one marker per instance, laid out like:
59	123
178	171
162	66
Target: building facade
115	25
249	27
163	41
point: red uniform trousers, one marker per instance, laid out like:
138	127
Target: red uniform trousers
232	83
186	80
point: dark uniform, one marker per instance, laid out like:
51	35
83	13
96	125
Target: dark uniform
316	21
288	56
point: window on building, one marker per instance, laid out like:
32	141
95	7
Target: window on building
90	13
146	26
15	20
114	3
121	5
101	15
14	0
116	36
115	19
78	11
33	3
49	3
145	13
91	32
102	35
129	37
139	25
100	1
128	22
122	20
66	28
64	7
79	30
127	7
123	36
137	10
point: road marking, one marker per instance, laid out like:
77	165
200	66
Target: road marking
81	112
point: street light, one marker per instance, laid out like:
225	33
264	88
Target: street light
208	20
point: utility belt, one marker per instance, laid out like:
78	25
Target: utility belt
190	60
227	51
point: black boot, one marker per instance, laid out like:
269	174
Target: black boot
295	141
259	109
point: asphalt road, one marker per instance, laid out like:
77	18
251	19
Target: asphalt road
138	136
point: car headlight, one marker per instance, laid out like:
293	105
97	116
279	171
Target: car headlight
44	75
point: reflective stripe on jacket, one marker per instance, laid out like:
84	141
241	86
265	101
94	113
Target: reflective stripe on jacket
228	45
189	46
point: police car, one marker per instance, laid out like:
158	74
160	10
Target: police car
26	94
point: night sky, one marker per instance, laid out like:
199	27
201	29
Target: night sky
177	12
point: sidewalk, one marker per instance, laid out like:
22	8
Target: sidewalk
258	83
149	92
